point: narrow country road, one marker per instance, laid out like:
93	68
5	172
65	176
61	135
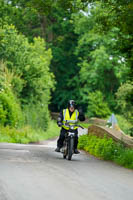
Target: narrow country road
36	172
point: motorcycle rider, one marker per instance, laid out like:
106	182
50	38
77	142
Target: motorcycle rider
69	114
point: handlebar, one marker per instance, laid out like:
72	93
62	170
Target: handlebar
70	126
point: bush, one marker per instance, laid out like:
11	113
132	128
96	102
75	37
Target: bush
107	149
10	111
96	105
27	134
30	62
124	124
37	116
13	135
125	158
124	100
27	76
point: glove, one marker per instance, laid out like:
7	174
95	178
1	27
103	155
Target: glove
59	124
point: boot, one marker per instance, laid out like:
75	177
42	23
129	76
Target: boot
76	151
57	149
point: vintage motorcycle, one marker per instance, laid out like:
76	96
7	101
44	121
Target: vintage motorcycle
68	145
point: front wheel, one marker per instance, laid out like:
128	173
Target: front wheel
65	149
70	148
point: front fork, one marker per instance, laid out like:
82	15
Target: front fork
65	144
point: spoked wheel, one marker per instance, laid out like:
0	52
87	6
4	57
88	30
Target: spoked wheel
70	148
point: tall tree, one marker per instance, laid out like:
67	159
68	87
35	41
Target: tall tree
103	64
52	21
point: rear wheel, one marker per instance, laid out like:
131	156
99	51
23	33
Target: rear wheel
70	148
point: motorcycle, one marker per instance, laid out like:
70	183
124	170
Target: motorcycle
68	145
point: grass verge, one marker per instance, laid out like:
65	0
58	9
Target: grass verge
107	149
27	134
124	124
85	125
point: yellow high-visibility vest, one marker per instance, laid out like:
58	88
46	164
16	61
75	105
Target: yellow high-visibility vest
71	120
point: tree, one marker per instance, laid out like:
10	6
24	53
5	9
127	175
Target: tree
91	43
30	63
52	21
124	100
102	65
97	107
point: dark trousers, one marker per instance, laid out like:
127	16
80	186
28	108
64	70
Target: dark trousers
62	138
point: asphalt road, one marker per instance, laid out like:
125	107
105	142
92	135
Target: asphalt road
36	172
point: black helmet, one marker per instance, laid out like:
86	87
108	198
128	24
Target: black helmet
71	103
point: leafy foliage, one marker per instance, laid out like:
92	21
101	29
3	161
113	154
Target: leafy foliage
88	46
102	65
125	124
10	111
96	105
30	61
27	134
124	100
56	28
37	116
107	149
91	43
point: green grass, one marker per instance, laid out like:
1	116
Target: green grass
27	134
52	131
85	125
107	149
124	124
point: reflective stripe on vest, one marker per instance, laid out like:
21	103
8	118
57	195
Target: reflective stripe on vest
71	120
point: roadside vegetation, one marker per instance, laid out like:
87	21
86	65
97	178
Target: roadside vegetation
27	134
25	85
107	149
125	125
53	51
84	125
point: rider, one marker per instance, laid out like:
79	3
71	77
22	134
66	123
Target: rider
69	114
